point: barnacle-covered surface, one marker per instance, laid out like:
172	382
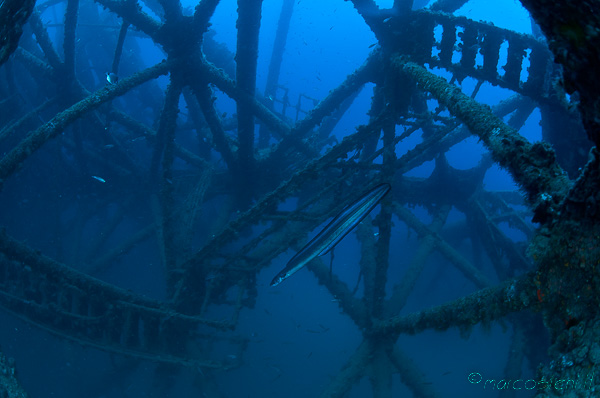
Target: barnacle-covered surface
139	216
9	386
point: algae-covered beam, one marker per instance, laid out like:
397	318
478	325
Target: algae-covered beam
13	15
58	72
495	241
69	39
132	13
139	129
166	126
203	12
533	166
571	28
59	276
192	210
364	233
350	374
111	223
450	136
248	28
11	128
199	122
448	6
380	370
119	48
516	354
375	253
403	6
208	72
484	305
41	35
411	375
164	150
468	270
283	26
384	222
353	82
402	291
9	385
206	100
36	67
515	218
289	230
172	9
271	199
373	17
103	262
36	139
351	306
374	273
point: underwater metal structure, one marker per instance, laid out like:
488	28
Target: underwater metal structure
55	128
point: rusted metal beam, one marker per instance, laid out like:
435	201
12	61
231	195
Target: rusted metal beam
533	166
572	29
13	15
484	305
36	139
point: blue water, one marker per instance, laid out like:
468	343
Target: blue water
299	337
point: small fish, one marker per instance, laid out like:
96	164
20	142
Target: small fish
112	78
278	371
276	368
109	146
99	179
334	232
210	276
372	45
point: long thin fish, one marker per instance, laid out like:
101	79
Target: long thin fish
334	231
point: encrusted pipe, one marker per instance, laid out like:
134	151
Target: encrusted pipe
484	305
36	139
119	48
248	27
69	39
13	15
532	166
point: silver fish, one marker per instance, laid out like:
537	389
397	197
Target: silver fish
112	78
334	232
